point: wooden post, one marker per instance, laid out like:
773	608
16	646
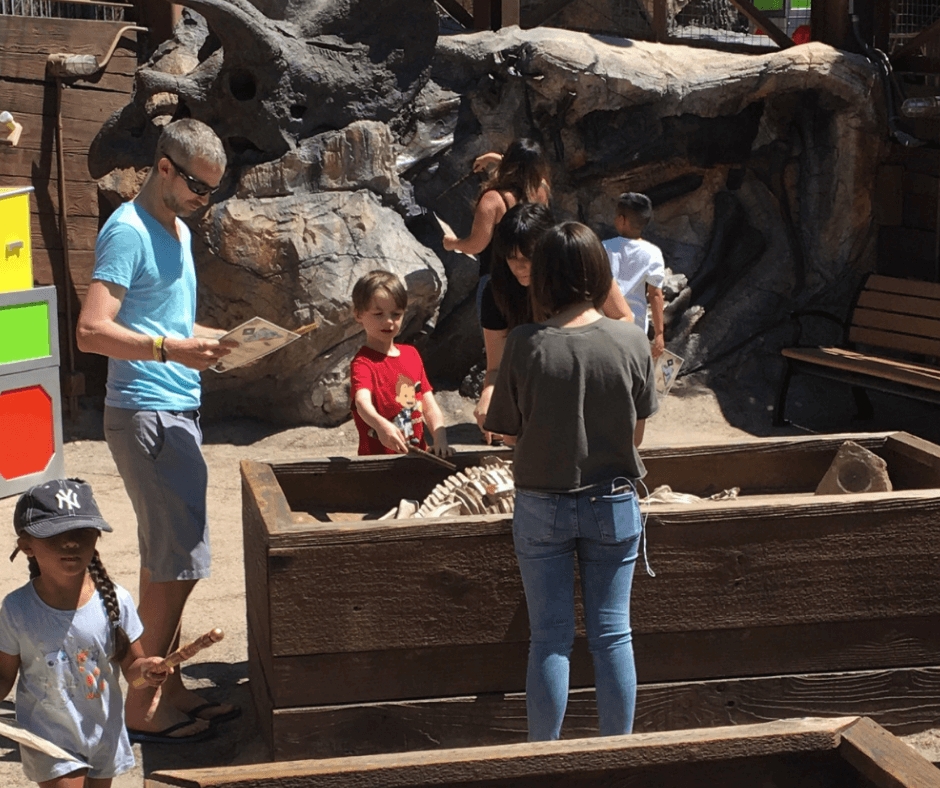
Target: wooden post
831	23
483	13
763	21
660	23
510	13
160	18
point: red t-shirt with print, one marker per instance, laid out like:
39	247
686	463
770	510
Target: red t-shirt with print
398	384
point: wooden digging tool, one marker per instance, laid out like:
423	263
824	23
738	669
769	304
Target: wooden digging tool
186	652
455	184
432	457
12	729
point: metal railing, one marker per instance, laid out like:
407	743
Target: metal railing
65	9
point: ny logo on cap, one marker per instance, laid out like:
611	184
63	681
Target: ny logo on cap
67	498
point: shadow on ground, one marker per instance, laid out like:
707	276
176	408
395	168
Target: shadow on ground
233	742
818	406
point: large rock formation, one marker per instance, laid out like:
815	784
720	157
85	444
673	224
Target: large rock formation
760	167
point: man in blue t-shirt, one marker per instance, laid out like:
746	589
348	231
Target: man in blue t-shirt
140	311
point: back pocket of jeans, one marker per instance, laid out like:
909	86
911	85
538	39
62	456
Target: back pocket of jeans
618	516
533	518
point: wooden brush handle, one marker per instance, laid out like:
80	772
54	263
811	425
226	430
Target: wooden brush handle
187	652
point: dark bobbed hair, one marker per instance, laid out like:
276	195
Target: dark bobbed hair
522	170
518	231
569	266
378	281
636	207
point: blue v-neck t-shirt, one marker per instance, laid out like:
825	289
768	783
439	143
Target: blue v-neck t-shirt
137	253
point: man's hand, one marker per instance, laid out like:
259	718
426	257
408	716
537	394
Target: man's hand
196	352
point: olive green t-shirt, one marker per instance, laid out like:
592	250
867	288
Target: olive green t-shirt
572	397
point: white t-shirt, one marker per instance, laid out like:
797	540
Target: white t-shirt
636	263
68	690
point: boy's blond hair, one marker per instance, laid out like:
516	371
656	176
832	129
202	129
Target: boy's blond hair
374	282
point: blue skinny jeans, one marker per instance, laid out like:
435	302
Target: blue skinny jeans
603	529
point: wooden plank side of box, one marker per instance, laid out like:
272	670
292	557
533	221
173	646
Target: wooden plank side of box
802	753
414	584
385	675
903	700
827	558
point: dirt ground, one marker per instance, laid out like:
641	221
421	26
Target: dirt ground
689	415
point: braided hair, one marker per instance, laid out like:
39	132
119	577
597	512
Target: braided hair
112	606
105	586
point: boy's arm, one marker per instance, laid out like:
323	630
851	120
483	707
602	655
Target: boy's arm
9	667
434	420
655	297
388	434
639	431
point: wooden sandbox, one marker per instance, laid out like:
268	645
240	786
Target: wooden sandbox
809	753
387	636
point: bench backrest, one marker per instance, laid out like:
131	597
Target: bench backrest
898	314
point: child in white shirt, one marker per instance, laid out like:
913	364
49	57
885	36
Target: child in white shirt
638	266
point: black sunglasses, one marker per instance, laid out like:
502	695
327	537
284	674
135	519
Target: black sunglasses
195	185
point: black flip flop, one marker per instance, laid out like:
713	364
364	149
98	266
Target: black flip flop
229	715
163	737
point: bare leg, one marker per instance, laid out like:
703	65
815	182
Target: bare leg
74	779
161	610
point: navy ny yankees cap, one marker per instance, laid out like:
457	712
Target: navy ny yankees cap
56	507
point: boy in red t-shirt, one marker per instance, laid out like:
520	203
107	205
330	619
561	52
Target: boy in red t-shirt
391	396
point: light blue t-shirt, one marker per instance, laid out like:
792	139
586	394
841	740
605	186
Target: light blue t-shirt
68	690
135	251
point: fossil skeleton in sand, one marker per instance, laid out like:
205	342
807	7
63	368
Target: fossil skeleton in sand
482	489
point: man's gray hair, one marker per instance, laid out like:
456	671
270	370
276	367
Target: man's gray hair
188	139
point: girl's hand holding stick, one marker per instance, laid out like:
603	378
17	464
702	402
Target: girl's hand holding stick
181	655
153	671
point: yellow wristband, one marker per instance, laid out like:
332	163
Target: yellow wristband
157	349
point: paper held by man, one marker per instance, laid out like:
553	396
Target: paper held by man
256	338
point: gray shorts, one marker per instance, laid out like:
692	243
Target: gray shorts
159	457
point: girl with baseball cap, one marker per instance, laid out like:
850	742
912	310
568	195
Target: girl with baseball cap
65	633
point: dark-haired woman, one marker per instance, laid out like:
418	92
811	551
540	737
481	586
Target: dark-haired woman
505	303
521	175
573	394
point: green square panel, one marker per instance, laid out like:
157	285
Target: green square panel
29	330
29	324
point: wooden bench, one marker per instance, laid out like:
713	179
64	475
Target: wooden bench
891	343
